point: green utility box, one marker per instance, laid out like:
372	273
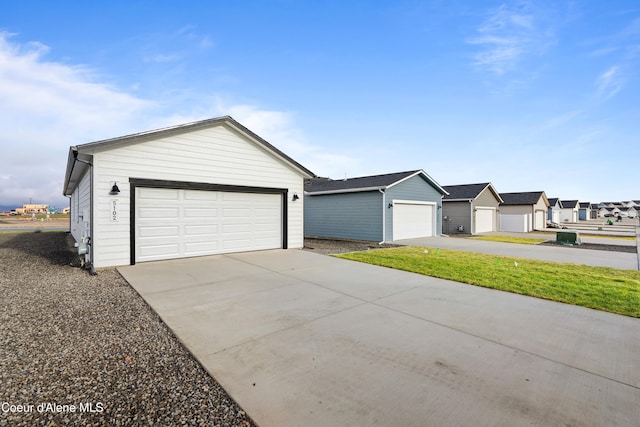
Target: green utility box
568	237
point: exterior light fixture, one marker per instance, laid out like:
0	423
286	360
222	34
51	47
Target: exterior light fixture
114	190
390	205
295	197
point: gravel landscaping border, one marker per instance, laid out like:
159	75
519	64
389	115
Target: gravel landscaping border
77	349
339	246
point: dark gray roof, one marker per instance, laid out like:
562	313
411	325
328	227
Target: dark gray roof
322	185
553	201
585	204
464	191
530	198
569	203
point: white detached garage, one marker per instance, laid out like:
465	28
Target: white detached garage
202	188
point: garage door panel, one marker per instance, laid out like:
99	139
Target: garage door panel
200	230
411	220
200	213
170	231
485	220
158	212
196	195
197	222
200	248
160	251
157	194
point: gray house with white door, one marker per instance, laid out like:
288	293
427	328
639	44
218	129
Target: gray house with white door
379	208
523	212
470	209
202	188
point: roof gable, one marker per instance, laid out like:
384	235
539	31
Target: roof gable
365	183
526	198
80	156
569	204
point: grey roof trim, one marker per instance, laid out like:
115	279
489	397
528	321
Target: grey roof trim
346	190
384	182
457	200
429	178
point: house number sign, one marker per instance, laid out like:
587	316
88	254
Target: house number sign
114	214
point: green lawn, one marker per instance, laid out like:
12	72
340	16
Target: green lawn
510	239
607	289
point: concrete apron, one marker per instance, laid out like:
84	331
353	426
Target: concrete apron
301	339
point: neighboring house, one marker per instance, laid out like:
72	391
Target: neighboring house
570	210
553	213
624	212
378	208
470	209
66	210
523	212
30	208
584	211
633	212
200	188
604	211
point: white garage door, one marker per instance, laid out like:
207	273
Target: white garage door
485	220
519	223
413	219
540	222
173	223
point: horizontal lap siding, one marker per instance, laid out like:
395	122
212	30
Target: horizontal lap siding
81	208
458	214
216	155
414	188
346	216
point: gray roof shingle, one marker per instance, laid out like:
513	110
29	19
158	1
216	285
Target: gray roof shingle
317	185
527	198
465	191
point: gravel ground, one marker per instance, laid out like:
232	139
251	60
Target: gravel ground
69	338
328	246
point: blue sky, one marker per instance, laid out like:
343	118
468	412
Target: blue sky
528	95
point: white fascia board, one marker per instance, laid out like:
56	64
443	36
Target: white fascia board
426	175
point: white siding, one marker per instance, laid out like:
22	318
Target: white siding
81	208
217	155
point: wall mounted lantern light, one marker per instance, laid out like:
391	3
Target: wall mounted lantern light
114	190
295	197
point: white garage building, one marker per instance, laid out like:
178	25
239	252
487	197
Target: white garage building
201	188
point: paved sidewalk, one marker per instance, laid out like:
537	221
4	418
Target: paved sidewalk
620	260
301	339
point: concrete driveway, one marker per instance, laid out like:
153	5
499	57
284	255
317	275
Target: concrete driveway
301	339
619	260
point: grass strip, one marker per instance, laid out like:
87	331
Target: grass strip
600	288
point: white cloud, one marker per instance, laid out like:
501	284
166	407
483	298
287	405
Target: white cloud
507	36
47	107
610	82
278	128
